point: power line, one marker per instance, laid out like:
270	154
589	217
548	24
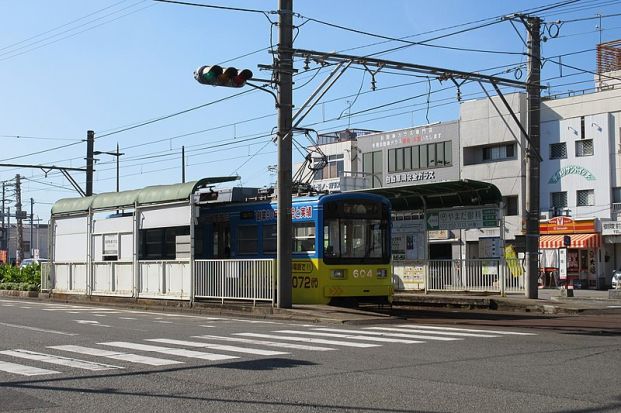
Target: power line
11	54
212	6
174	114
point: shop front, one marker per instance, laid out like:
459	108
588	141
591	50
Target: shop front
570	253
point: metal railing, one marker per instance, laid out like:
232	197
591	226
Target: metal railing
471	275
46	276
251	280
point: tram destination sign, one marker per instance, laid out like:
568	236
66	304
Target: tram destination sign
462	218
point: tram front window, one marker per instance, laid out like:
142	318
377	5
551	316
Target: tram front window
350	239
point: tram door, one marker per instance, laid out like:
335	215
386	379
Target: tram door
221	240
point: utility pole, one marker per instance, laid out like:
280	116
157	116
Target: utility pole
183	164
90	146
533	170
117	154
284	74
4	230
19	249
31	226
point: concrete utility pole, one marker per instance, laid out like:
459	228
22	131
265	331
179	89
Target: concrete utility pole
533	170
31	226
183	164
90	146
284	73
19	249
3	244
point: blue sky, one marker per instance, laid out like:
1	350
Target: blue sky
67	66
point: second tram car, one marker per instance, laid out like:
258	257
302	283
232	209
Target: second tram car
341	243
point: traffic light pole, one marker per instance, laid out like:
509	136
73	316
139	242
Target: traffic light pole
284	71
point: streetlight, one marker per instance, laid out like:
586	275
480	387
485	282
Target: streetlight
117	154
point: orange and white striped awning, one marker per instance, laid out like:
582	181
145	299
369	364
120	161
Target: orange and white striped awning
577	241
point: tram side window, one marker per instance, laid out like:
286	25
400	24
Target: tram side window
247	239
304	237
269	238
160	243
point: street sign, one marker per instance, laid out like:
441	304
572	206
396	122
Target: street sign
462	218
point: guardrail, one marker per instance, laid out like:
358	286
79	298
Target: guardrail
251	280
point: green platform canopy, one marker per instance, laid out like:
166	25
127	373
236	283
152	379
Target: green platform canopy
464	193
150	195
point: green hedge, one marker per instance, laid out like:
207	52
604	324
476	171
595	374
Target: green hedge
22	279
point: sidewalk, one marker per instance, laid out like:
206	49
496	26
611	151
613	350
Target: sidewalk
549	301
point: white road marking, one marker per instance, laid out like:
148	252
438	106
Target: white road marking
265	343
63	361
310	340
24	370
163	322
41	330
404	334
127	318
206	326
469	330
25	308
219	347
132	358
169	350
350	336
440	333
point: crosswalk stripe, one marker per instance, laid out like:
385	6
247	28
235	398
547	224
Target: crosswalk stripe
24	370
219	347
265	343
310	340
440	333
62	361
350	336
370	333
397	332
169	350
469	330
129	357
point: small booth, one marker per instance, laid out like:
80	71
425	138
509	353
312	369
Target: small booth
569	252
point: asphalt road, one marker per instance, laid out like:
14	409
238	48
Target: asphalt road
61	357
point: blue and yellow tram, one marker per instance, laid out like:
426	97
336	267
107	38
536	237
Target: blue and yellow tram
341	243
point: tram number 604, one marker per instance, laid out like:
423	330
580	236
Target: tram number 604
362	273
304	282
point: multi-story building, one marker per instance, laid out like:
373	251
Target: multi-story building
580	191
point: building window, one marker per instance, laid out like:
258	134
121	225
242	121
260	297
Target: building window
584	147
585	197
558	151
511	207
616	194
499	152
372	168
558	199
333	167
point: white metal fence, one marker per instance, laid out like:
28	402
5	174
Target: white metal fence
251	280
472	275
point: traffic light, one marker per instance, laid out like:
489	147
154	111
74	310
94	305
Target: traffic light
217	76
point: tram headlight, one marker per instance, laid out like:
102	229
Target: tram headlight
382	273
338	274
